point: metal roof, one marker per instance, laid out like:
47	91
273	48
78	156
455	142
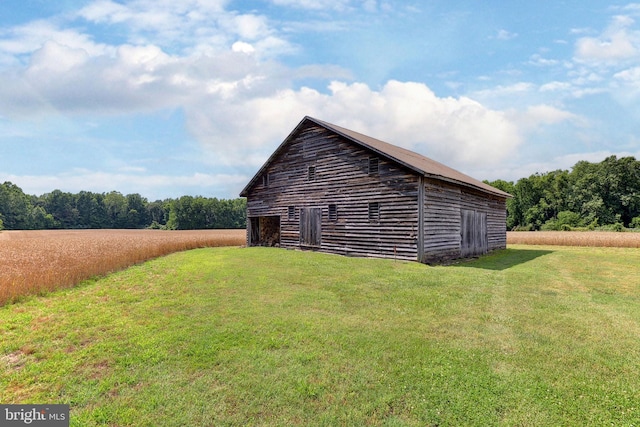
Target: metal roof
417	162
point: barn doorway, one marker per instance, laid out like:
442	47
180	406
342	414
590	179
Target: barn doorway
473	233
264	231
310	227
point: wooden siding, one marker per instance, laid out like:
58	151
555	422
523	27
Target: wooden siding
341	177
444	204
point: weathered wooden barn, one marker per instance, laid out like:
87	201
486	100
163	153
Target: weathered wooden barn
331	189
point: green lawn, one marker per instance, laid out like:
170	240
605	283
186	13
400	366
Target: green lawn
530	336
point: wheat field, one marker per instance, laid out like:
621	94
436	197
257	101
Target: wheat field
575	238
33	262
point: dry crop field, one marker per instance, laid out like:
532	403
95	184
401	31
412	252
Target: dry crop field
32	262
575	238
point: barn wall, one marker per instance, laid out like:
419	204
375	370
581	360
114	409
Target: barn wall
341	178
445	208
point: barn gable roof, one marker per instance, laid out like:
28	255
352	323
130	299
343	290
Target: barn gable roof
418	163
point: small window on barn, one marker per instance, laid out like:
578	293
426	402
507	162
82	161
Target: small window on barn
374	167
333	213
291	213
265	180
312	173
374	211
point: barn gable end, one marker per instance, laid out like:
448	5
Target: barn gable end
330	189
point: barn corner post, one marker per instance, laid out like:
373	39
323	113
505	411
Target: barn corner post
247	229
421	222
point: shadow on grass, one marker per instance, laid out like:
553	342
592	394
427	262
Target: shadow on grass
504	259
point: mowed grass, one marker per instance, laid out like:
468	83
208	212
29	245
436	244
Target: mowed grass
528	336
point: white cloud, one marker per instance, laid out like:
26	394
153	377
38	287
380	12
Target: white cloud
455	131
130	78
57	58
242	47
105	11
618	42
539	61
27	38
155	15
626	86
505	97
250	27
628	79
187	26
505	35
536	116
508	90
318	4
555	86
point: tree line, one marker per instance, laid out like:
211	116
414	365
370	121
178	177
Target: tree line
62	210
603	195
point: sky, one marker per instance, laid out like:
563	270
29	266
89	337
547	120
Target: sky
168	98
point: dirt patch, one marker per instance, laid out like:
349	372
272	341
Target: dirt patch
13	361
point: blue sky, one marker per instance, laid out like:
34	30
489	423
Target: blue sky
168	98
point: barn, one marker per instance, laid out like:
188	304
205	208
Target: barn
331	189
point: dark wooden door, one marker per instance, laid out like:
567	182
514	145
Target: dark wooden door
473	233
310	227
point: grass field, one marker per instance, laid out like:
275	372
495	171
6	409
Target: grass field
40	261
527	336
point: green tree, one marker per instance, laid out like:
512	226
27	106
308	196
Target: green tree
530	209
607	192
62	206
40	219
620	188
137	216
231	213
189	213
91	210
158	213
15	207
117	210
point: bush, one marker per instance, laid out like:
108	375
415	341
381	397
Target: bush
527	227
565	221
570	219
635	222
155	226
551	225
618	226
